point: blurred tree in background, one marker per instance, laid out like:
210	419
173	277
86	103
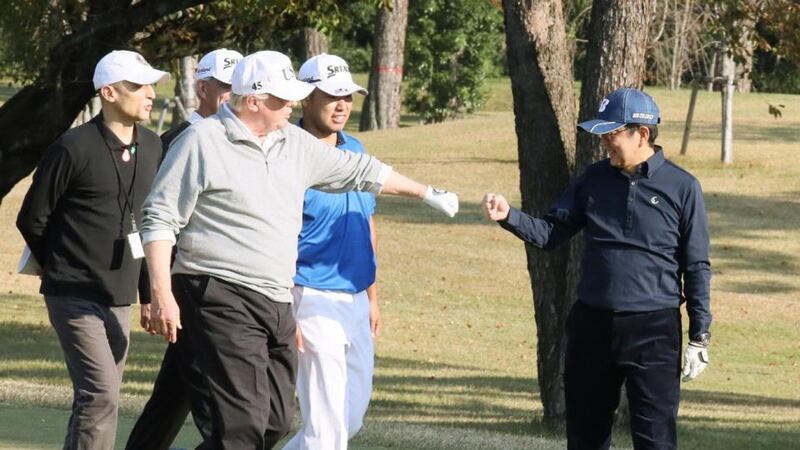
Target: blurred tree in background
451	47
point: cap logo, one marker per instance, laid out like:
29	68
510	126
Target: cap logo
227	63
140	59
603	105
333	70
642	116
288	73
256	86
204	70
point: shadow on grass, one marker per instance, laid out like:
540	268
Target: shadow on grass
747	132
32	352
737	400
451	162
745	217
406	120
479	399
406	210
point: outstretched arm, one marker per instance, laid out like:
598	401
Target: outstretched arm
399	184
561	223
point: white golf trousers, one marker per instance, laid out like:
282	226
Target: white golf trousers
334	373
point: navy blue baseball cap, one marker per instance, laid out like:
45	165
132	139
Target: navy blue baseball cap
621	107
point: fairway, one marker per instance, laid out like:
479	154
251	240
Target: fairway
456	362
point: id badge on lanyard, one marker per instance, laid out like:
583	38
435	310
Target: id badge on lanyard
135	241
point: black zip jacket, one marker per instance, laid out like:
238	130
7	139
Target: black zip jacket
76	214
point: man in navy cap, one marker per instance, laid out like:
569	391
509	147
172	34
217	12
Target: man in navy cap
646	234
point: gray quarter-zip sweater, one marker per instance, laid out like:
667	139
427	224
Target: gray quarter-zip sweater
238	204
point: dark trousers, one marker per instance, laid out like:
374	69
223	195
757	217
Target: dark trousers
179	387
94	339
606	349
244	345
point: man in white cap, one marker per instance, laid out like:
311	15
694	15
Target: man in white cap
233	186
165	412
80	219
212	87
336	298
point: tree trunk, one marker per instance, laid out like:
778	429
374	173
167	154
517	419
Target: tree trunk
91	109
41	111
382	105
728	73
310	43
615	58
745	67
687	127
184	90
544	110
712	70
679	47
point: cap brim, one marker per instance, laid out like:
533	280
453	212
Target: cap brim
598	126
340	89
148	76
210	76
293	90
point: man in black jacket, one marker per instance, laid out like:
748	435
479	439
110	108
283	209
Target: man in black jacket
80	219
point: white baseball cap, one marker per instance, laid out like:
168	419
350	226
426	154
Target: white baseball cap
218	64
268	72
124	65
331	74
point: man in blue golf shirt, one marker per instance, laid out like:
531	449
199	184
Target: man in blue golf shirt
647	240
336	300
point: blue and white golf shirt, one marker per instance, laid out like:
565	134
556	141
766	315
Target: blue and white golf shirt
335	248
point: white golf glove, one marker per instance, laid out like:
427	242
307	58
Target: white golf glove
695	360
446	202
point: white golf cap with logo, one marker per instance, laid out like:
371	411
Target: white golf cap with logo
330	74
218	64
268	72
124	65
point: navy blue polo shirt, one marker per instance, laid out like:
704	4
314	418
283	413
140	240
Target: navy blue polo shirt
646	238
334	249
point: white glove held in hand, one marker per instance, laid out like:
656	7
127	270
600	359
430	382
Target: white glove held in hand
695	360
446	202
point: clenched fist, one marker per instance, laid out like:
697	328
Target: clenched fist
495	207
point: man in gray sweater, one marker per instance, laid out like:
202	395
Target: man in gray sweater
233	187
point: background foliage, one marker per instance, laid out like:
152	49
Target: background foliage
452	46
450	49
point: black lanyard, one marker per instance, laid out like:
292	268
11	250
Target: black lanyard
129	193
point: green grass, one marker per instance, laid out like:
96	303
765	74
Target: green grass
456	364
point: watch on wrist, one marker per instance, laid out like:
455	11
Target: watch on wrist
702	339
